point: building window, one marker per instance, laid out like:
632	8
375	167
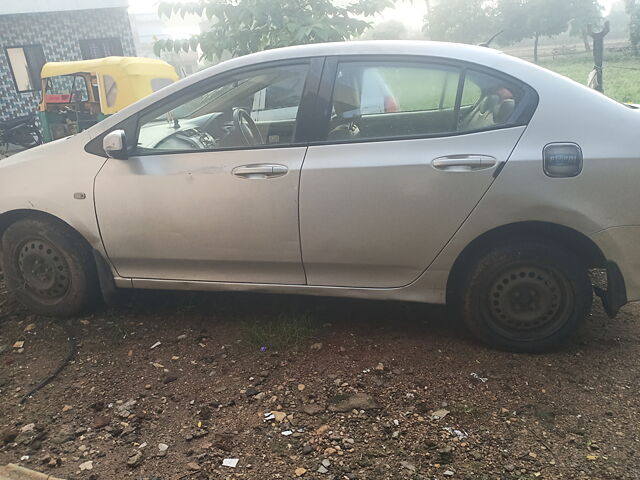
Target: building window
100	48
26	63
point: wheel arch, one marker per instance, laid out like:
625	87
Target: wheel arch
551	233
103	269
12	216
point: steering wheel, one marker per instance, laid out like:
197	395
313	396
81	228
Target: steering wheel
243	123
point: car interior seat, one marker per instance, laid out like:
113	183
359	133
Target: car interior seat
346	106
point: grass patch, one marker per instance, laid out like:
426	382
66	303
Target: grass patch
284	331
621	73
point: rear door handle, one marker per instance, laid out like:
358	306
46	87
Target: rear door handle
464	163
260	170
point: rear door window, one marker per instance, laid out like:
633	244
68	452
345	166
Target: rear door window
386	100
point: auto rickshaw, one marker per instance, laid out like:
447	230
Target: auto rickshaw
77	95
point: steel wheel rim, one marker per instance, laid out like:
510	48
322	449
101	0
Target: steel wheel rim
526	302
43	268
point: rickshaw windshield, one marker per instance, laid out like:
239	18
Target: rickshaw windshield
67	88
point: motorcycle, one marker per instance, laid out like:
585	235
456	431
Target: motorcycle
20	131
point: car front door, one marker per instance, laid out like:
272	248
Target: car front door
387	187
210	194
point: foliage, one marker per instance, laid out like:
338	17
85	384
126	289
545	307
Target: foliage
240	27
527	18
465	21
283	331
389	30
584	13
633	9
619	20
523	19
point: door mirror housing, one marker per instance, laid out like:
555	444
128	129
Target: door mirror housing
115	145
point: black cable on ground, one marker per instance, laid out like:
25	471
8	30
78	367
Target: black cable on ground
73	347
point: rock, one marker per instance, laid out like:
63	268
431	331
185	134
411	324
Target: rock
510	468
30	327
380	367
125	410
448	473
181	337
358	401
408	465
439	414
301	387
97	406
100	421
30	427
260	396
307	449
316	346
193	466
298	472
163	447
312	409
169	379
326	463
135	460
322	469
86	466
322	429
224	441
252	392
63	435
66	408
8	436
279	416
329	451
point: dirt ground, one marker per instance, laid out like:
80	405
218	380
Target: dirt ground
359	390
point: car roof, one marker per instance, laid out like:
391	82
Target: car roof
372	47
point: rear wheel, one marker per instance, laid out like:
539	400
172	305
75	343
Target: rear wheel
48	268
526	297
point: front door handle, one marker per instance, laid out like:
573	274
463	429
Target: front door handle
464	163
260	170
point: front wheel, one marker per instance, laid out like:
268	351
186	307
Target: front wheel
48	268
526	297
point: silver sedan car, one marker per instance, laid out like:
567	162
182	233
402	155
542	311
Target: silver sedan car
412	171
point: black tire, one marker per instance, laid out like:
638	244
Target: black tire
48	267
525	296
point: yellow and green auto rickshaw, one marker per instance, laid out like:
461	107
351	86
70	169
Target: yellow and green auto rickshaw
77	95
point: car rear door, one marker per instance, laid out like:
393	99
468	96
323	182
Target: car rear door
381	193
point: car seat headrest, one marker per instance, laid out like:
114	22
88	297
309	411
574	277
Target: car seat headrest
503	111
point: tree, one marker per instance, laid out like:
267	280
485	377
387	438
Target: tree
522	19
464	21
633	9
585	13
240	27
619	20
389	30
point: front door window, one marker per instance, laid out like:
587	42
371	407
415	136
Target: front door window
238	113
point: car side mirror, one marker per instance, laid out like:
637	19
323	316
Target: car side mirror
115	145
